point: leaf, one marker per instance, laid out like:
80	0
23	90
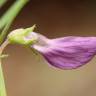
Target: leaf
4	32
2	2
3	56
12	12
9	16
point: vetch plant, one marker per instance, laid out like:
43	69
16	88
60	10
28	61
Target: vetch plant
68	52
65	53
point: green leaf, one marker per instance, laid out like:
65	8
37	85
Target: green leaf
3	56
12	12
4	32
2	2
9	16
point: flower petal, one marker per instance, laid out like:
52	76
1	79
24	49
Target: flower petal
72	58
68	52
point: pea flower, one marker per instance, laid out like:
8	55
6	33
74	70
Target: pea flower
68	52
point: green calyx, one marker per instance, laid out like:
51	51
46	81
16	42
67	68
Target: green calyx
18	36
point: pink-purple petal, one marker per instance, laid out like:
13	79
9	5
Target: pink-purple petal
68	52
68	60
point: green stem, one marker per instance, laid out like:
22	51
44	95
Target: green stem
2	82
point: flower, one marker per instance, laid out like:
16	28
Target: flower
68	52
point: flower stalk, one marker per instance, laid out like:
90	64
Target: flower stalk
2	82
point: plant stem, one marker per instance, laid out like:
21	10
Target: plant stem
2	82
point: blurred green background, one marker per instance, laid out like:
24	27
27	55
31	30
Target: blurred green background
28	75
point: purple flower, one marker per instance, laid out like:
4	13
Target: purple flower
67	52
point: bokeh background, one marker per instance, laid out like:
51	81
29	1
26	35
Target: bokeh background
29	75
